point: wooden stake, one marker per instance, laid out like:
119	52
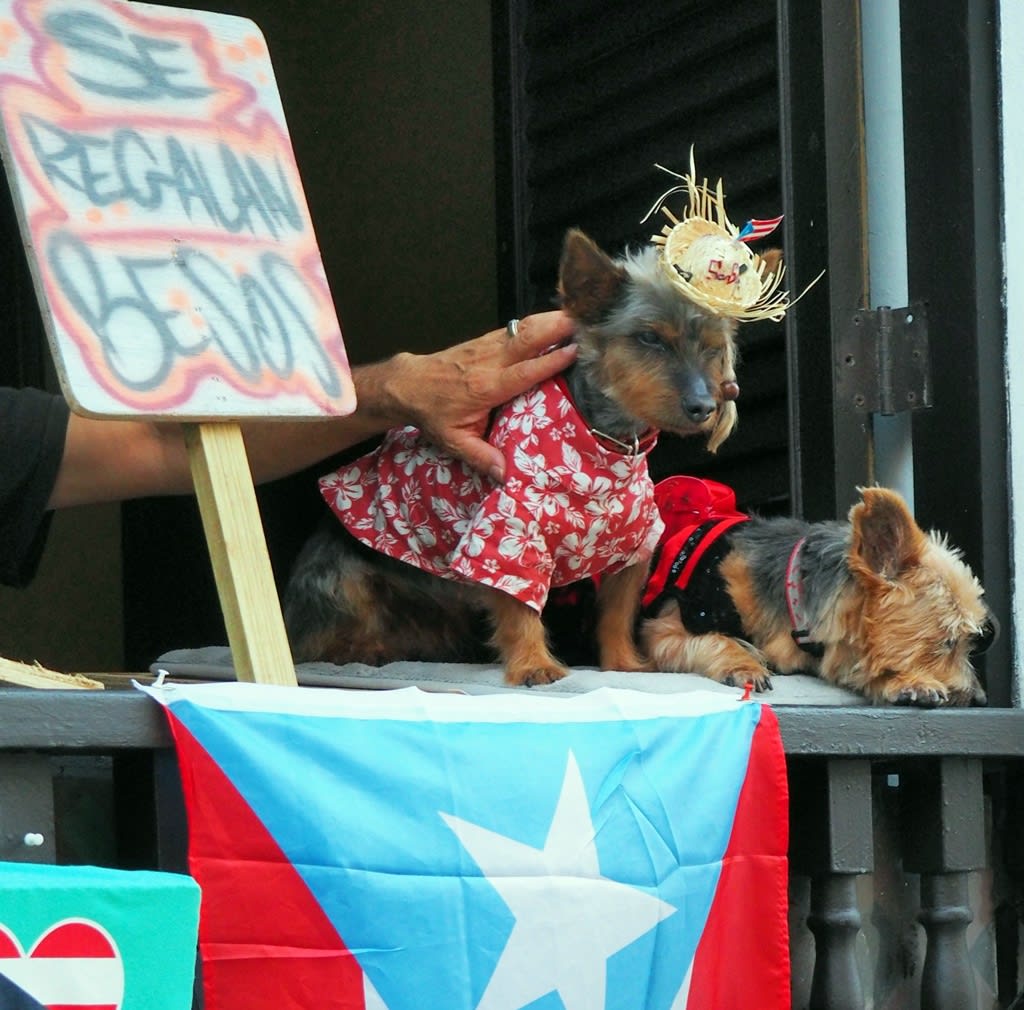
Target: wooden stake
33	675
238	550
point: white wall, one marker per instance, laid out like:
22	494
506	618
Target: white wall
1012	72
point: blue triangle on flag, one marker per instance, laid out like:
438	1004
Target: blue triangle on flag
13	997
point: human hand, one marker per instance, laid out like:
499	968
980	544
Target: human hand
450	394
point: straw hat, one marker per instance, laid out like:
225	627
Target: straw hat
710	260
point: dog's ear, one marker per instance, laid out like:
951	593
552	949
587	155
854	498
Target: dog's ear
886	539
772	259
588	279
725	421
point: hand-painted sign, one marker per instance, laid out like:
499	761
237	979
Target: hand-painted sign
159	198
91	938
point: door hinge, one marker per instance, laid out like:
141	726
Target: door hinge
882	362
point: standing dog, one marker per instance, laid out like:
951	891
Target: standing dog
874	604
424	544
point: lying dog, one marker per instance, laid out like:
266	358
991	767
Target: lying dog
424	543
874	604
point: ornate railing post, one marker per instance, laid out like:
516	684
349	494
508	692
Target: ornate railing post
831	842
943	840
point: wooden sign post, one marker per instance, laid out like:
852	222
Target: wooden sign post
238	550
173	253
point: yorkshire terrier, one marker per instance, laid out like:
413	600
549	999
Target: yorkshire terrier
424	544
874	604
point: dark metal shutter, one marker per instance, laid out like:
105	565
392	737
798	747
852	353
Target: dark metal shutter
589	96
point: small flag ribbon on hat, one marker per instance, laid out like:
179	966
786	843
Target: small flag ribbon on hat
755	229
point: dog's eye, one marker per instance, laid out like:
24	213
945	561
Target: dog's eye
650	339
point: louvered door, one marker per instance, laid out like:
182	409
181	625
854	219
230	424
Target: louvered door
589	97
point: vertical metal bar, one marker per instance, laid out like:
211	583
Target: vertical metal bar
954	224
884	367
511	152
887	218
1011	86
823	163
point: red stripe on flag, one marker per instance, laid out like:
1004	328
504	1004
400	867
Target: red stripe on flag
82	1006
742	959
74	939
264	941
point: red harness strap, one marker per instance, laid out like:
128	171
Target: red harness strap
696	513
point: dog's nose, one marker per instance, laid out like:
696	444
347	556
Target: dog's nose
988	636
698	408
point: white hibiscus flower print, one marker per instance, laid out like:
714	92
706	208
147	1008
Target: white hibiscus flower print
521	540
344	487
476	540
591	486
547	492
529	412
513	585
385	542
576	551
571	460
605	506
470	487
421	456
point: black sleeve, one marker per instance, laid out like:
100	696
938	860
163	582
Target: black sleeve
32	429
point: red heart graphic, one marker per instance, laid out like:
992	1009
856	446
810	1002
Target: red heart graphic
74	965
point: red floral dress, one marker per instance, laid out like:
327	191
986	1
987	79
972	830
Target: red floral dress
570	507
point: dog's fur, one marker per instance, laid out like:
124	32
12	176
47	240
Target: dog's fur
648	359
896	610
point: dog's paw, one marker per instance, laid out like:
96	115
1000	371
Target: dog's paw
922	698
918	695
535	675
761	680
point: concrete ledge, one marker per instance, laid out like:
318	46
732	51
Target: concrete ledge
112	720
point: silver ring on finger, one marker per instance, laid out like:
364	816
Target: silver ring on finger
512	328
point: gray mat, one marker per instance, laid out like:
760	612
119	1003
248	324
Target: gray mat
214	663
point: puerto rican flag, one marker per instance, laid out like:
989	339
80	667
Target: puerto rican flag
399	850
757	228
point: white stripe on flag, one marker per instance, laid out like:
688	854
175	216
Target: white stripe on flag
68	981
683	996
371	997
410	704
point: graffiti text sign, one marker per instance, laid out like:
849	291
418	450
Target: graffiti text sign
158	195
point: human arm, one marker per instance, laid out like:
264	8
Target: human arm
448	393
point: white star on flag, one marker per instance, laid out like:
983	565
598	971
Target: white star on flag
565	930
